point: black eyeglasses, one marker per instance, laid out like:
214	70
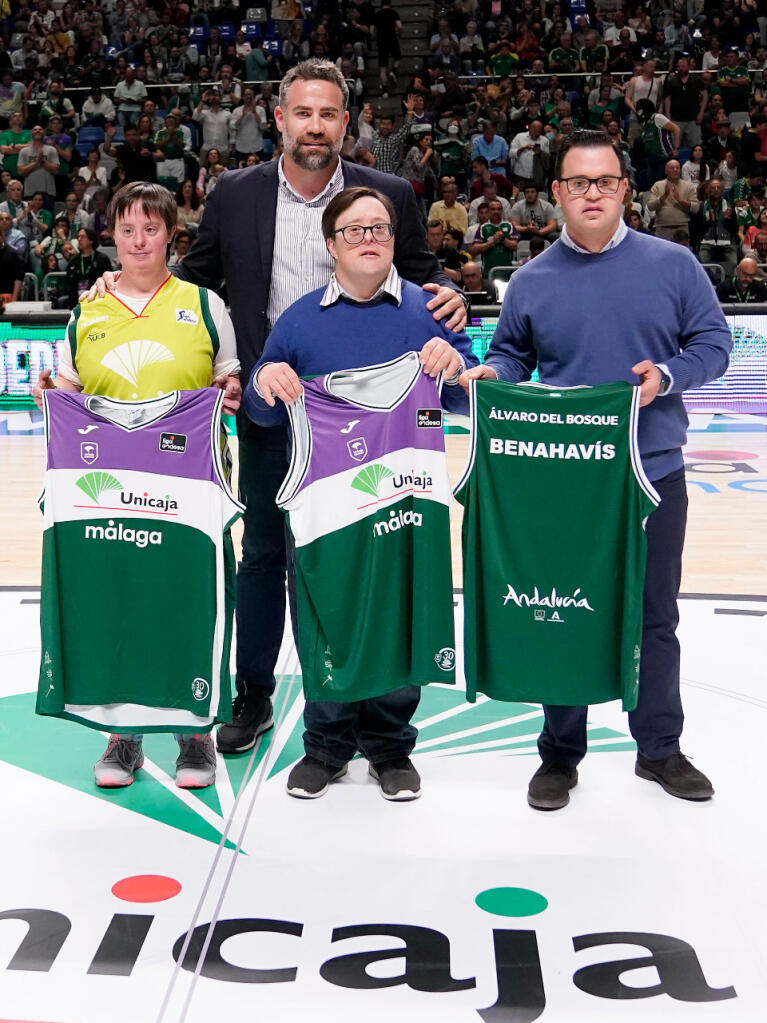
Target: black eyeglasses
607	184
354	234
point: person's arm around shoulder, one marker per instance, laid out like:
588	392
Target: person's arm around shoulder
416	263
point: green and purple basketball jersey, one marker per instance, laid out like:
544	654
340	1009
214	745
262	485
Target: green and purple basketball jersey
555	501
368	501
138	569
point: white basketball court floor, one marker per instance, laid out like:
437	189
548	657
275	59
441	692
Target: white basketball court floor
155	904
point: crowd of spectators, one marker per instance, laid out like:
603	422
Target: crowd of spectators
95	95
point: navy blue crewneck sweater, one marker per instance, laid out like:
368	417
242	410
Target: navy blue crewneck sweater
587	318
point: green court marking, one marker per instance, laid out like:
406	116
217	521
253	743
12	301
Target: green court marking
65	753
511	901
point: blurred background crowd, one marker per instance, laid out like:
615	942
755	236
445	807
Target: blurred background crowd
468	100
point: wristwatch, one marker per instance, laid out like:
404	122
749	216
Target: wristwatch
665	381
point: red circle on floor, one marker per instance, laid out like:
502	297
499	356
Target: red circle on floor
720	456
146	888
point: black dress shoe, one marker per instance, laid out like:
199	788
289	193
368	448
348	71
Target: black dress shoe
251	716
676	775
550	786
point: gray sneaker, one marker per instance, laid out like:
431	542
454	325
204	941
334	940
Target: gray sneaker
196	764
121	759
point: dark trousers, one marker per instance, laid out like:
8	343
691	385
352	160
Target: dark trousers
656	724
263	459
379	728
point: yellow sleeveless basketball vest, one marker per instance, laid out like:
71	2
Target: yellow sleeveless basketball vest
170	346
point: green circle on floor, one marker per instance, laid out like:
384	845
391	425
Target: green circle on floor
511	901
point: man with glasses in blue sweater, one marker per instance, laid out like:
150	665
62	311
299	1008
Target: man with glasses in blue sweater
639	309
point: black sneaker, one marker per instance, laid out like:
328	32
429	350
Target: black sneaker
549	787
398	779
251	716
311	777
676	775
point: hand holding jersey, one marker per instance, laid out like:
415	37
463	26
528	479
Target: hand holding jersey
155	334
674	335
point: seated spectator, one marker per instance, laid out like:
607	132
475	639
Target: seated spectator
594	54
14	238
212	159
482	174
727	171
76	217
99	221
534	217
189	206
57	286
473	281
721	142
499	240
447	210
489	193
471	48
11	269
634	221
750	233
747	284
564	58
453	152
537	245
182	242
717	244
57	103
15	204
36	225
85	268
448	258
494	148
760	246
672	200
529	154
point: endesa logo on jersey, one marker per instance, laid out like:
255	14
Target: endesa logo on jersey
173	442
427	418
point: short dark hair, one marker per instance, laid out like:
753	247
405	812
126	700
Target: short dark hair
151	197
341	203
581	139
481	160
314	70
434	223
92	235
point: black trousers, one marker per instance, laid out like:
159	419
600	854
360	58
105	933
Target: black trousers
657	722
379	728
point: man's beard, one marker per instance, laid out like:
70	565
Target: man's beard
311	160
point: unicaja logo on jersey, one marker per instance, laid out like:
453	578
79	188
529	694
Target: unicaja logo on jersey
139	537
369	479
94	484
552	599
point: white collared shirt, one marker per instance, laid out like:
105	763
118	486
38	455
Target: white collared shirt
391	286
617	238
300	260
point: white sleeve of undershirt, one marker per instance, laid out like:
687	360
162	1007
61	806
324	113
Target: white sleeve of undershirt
226	363
66	366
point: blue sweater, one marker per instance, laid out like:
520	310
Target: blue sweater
588	318
349	335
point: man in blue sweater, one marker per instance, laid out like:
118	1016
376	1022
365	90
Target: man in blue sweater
367	315
632	306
